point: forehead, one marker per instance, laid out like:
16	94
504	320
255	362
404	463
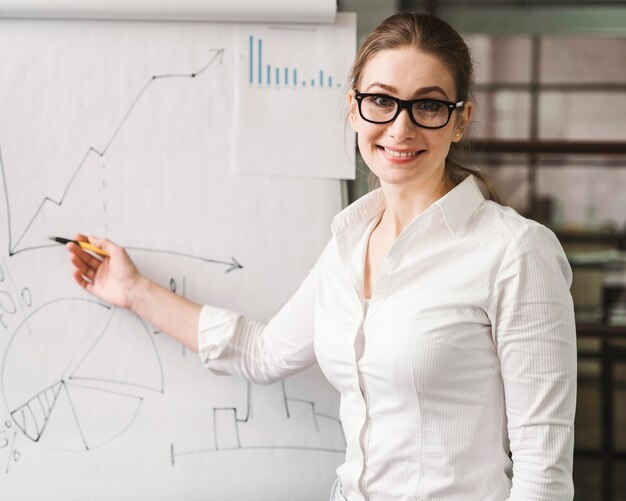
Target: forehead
407	70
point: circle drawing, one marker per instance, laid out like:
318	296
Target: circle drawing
76	372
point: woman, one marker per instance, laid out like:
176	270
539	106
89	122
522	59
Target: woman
443	319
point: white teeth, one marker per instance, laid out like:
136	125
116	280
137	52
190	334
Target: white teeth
401	154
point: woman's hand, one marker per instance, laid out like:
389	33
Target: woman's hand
116	280
110	278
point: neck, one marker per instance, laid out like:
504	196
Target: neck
405	203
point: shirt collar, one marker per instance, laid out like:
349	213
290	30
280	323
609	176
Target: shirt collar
456	206
460	203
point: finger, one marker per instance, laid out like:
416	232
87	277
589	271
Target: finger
81	266
82	281
79	237
86	257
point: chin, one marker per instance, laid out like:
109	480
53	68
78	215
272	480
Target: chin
398	180
396	173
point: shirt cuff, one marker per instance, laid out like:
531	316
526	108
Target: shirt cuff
216	328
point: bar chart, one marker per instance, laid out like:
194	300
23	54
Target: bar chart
293	82
262	71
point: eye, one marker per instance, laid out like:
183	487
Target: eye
429	106
383	101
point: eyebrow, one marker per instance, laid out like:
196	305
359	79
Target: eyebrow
423	90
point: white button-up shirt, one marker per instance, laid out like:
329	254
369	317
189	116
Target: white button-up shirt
465	354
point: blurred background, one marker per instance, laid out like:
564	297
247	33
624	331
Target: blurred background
550	129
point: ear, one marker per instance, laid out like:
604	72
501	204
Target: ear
462	121
353	111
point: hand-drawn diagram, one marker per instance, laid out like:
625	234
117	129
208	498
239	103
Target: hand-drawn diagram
16	248
312	431
91	389
80	376
7	443
48	411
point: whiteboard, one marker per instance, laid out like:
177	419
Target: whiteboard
125	129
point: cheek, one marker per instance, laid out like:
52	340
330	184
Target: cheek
366	146
367	134
440	142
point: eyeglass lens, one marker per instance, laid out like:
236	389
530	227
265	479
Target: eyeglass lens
425	112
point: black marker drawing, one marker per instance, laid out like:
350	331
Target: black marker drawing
7	441
227	423
232	264
66	386
14	454
9	305
60	382
14	246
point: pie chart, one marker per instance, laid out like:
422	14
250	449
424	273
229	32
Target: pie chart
76	372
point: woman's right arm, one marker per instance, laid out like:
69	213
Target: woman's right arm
227	342
262	353
116	280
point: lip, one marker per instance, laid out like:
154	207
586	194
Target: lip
391	154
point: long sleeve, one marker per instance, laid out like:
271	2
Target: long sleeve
229	343
534	331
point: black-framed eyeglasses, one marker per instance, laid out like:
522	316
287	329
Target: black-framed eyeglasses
427	113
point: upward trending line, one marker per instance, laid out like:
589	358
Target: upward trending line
14	247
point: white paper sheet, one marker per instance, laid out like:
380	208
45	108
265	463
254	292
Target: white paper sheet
292	82
287	11
123	129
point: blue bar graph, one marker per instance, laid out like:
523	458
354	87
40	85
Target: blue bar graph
260	56
255	60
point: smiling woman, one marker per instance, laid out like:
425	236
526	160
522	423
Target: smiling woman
395	145
442	318
448	52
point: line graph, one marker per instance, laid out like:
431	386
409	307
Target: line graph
126	130
15	241
230	422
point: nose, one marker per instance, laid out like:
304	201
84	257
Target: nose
402	128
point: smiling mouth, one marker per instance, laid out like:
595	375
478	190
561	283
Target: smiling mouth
400	154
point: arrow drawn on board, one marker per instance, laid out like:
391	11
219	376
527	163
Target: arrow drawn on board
233	264
14	247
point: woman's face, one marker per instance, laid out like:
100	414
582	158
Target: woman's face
407	73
